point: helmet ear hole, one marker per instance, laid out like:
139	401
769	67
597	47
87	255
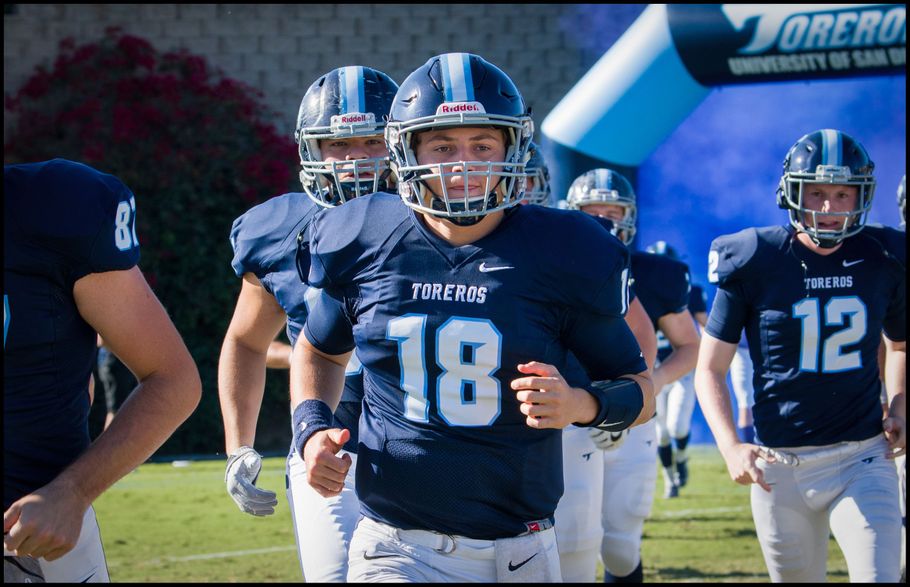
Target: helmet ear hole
781	196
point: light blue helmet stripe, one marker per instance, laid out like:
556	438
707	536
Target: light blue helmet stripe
602	179
456	76
831	147
352	92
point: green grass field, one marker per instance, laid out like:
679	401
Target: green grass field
163	523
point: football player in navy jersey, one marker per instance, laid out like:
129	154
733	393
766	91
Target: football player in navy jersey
676	402
537	187
662	286
70	273
343	156
813	298
579	530
461	306
579	533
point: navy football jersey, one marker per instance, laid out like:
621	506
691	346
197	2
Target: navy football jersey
697	303
266	239
62	221
440	330
662	285
813	325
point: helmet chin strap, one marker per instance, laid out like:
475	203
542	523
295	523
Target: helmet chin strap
437	203
824	243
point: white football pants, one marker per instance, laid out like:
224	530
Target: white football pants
741	378
578	527
381	553
83	564
849	485
675	404
630	476
323	526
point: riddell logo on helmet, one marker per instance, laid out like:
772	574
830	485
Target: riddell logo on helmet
458	107
353	119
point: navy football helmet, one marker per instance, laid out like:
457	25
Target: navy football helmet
830	157
605	186
663	248
537	171
902	199
459	90
346	102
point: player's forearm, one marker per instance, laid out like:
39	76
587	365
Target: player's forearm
648	394
643	331
241	386
714	399
678	363
149	416
315	375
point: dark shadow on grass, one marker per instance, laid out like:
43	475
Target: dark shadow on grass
718	533
677	573
678	520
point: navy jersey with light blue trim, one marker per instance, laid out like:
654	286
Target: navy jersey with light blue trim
813	325
62	221
265	242
660	283
697	303
440	331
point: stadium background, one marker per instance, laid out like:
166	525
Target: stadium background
716	173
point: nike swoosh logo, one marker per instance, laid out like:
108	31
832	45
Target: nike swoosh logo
86	580
485	269
522	563
852	263
375	556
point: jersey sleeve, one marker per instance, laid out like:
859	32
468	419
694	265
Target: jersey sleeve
88	218
328	326
261	236
345	240
895	322
729	256
681	287
590	271
728	266
604	345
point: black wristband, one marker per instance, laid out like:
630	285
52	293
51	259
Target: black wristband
311	416
620	402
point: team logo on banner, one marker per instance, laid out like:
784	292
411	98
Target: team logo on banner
748	43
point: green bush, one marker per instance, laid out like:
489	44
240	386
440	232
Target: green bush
197	151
